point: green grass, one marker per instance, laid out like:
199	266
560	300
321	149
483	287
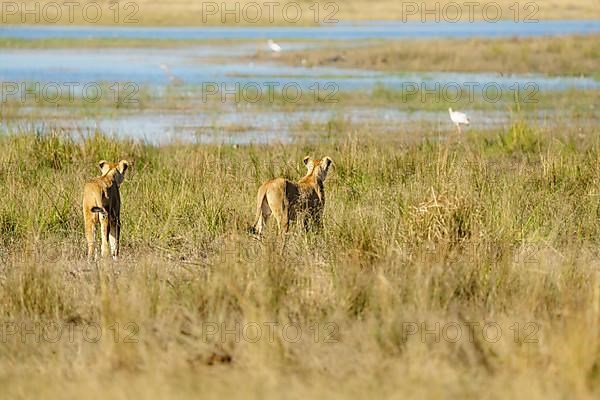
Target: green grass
499	227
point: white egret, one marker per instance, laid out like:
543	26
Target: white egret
275	48
458	119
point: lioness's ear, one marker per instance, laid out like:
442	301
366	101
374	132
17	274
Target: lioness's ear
103	165
123	165
306	160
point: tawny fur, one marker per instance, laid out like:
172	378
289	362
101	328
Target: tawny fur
102	203
288	200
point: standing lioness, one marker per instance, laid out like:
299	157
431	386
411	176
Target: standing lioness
102	201
286	200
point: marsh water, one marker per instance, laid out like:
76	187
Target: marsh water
338	31
227	63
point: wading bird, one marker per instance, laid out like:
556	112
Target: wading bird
458	119
275	48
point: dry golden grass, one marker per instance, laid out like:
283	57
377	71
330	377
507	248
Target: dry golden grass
499	228
544	10
192	13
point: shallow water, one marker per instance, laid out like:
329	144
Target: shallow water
339	31
245	127
193	66
200	65
222	63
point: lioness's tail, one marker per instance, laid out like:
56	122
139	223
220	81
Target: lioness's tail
99	210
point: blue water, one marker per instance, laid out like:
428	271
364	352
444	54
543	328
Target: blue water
341	31
227	64
243	126
222	64
195	66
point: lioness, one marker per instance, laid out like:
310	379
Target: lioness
286	200
102	201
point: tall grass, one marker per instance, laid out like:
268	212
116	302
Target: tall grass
498	228
190	13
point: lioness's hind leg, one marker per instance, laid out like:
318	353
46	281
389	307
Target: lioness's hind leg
265	213
114	233
104	228
90	221
279	209
262	216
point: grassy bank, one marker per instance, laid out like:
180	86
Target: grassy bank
568	55
497	228
304	12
